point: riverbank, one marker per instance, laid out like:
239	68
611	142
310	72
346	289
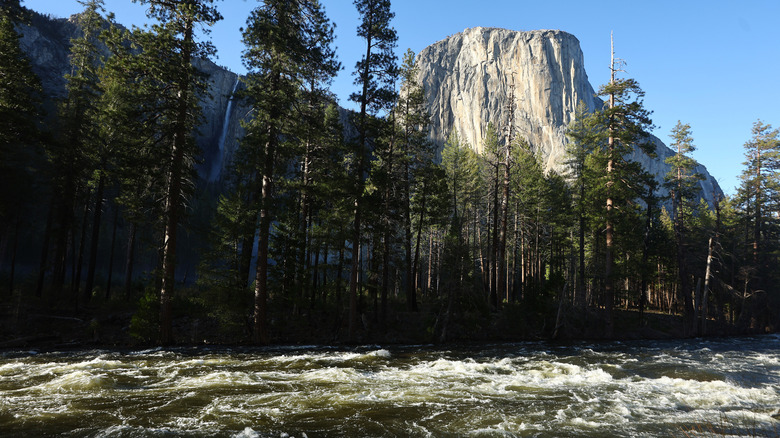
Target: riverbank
104	326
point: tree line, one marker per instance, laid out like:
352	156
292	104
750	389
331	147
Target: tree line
356	229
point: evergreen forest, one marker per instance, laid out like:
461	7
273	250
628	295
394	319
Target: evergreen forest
333	226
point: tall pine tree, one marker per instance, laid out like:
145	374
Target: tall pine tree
626	123
287	50
682	182
375	76
174	46
19	113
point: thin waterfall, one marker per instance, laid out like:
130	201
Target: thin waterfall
216	167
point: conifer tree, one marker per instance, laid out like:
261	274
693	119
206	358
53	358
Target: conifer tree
19	132
582	133
626	122
375	74
71	151
759	181
492	168
129	119
19	92
506	163
414	120
758	195
311	152
96	155
682	182
173	48
284	54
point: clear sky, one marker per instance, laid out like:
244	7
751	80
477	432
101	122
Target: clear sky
713	64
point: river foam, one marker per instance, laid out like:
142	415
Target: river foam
612	389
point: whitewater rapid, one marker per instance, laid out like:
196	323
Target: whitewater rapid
612	389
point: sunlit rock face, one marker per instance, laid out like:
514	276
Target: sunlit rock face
469	77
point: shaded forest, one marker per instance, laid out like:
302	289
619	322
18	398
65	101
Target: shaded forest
333	229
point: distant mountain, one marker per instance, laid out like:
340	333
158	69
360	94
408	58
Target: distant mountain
468	76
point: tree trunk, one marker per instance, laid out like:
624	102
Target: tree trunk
416	261
79	260
502	277
411	290
430	263
696	307
130	258
387	235
96	217
705	298
14	249
580	299
169	243
365	78
111	253
339	271
495	248
45	251
353	278
260	333
174	193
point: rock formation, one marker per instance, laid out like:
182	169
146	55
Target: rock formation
468	78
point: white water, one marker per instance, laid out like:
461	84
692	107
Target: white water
216	167
614	389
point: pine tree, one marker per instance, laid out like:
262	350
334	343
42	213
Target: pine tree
71	152
507	164
626	122
375	76
171	50
311	150
20	91
758	194
682	182
131	119
414	121
96	155
283	55
759	179
583	138
492	158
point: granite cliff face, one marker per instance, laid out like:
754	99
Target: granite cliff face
468	78
47	43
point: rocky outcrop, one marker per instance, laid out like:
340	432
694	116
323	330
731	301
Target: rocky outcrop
468	78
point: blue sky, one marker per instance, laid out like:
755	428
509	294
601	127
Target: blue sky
712	64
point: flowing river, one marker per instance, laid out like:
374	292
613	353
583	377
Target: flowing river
651	388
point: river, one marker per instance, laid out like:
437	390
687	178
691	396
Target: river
651	388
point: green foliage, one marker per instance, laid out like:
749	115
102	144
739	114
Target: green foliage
145	323
682	179
377	70
461	165
19	116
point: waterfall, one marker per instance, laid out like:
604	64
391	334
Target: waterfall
216	166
